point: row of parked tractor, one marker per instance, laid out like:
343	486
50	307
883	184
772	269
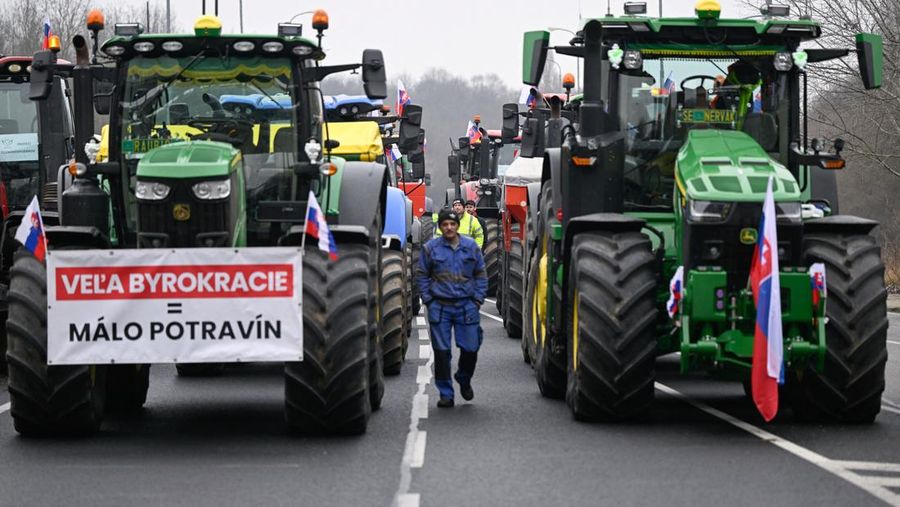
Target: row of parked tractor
620	221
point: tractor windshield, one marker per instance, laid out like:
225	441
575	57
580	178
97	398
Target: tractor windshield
243	101
18	145
656	111
506	154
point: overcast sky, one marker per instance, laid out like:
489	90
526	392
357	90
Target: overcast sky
466	38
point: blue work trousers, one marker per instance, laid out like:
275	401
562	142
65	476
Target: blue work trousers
460	321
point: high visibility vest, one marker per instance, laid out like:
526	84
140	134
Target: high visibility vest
468	225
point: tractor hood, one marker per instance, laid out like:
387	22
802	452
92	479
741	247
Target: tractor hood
189	159
726	165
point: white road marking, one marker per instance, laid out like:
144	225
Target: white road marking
875	486
885	401
890	409
419	450
491	300
408	500
4	407
872	466
488	315
414	450
420	321
892	342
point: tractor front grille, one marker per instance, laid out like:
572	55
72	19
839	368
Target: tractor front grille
157	219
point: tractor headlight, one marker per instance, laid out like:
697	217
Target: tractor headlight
151	190
143	46
788	211
783	62
709	211
633	60
115	50
211	190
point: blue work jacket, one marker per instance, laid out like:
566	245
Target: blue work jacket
447	274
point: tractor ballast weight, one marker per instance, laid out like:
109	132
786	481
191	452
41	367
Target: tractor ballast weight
658	176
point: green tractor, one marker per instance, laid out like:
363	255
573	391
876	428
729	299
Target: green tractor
668	169
193	167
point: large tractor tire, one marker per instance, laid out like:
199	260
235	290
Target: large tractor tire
501	288
428	227
4	314
407	293
200	369
849	389
515	289
493	244
45	400
394	341
545	353
612	309
328	392
126	387
376	363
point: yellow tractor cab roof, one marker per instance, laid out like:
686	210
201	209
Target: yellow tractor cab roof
360	140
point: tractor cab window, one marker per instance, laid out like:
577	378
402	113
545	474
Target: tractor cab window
19	178
244	101
659	106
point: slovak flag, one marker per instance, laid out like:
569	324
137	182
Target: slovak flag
48	31
669	85
394	153
528	97
317	227
817	283
676	290
473	133
31	231
767	370
402	98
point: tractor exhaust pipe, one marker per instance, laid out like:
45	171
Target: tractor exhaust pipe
83	85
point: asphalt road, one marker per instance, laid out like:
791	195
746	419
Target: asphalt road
221	442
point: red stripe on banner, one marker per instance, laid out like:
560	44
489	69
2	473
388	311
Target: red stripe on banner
176	281
763	387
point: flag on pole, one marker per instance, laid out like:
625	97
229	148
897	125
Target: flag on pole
402	98
817	283
473	133
528	97
767	370
676	288
669	85
317	227
394	153
31	231
48	31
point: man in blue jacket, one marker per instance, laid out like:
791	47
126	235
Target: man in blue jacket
453	284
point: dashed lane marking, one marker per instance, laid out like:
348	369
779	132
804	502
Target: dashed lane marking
4	407
414	451
876	486
488	315
420	321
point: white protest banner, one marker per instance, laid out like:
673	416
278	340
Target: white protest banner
191	305
18	147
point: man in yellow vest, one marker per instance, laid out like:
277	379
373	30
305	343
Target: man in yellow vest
468	225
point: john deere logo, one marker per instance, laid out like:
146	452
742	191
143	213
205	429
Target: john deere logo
749	236
181	212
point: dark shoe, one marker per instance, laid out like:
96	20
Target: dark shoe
445	403
467	392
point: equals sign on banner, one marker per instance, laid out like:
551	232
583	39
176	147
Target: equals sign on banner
174	307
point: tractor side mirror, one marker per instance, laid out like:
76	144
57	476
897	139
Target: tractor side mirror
418	169
103	91
410	128
532	138
510	123
373	74
871	59
42	75
464	149
427	179
453	167
534	56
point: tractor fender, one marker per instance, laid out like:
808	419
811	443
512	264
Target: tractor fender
843	224
534	201
363	189
429	206
391	242
552	171
611	222
76	235
395	223
410	217
358	234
